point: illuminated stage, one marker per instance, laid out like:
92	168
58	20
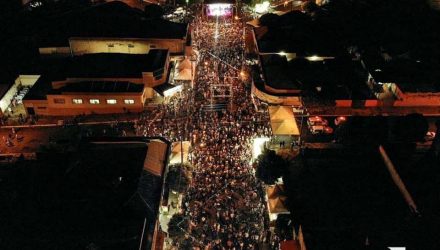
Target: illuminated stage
219	8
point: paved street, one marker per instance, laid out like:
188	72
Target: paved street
225	202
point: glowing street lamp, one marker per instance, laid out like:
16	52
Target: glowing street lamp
282	53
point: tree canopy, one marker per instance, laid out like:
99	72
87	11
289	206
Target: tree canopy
270	166
153	11
178	178
178	226
411	128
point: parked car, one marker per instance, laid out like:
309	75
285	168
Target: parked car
317	120
319	129
340	120
429	136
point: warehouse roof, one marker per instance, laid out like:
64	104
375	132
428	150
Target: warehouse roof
103	65
114	19
102	87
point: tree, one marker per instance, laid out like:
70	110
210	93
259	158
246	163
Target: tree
270	166
178	227
284	227
268	19
363	131
153	11
411	128
310	7
435	146
178	178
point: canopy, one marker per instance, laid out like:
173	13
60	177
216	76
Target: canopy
183	70
183	75
275	191
276	206
276	199
184	64
283	121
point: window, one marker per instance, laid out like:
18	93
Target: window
77	101
59	100
129	101
94	101
111	101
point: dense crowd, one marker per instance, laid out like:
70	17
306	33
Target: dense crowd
224	202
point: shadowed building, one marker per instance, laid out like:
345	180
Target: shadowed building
112	27
98	83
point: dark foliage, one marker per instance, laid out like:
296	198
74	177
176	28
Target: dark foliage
178	226
153	11
270	166
178	178
268	19
411	128
284	227
361	130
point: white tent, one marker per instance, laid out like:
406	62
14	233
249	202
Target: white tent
283	121
183	70
183	75
184	64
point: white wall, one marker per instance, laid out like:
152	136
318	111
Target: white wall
25	80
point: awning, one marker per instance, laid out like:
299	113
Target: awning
282	121
156	157
161	89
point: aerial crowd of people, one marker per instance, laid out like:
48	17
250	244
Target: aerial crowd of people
224	202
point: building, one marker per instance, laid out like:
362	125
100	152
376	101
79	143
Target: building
401	81
60	65
339	207
297	68
112	27
108	190
98	83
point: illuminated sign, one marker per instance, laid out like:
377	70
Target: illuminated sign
219	9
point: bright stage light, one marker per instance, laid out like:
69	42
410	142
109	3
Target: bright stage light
258	146
219	9
262	7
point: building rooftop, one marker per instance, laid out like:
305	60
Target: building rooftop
97	192
104	65
328	79
410	75
339	206
113	19
101	87
296	32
